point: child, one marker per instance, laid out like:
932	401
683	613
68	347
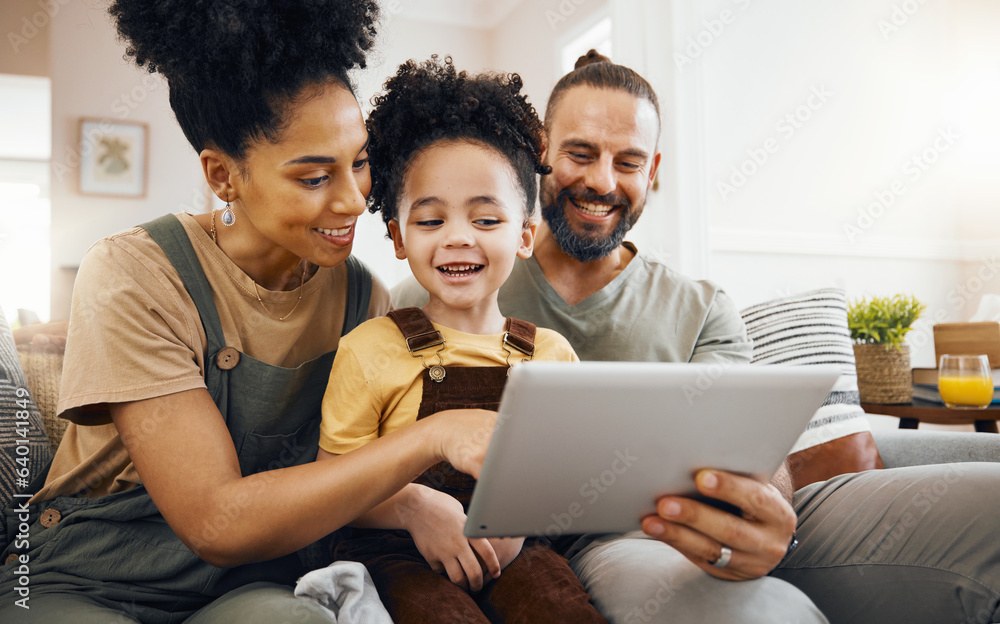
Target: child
454	160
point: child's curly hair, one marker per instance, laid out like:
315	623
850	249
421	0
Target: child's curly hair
236	66
432	101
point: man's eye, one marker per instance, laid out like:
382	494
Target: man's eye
314	182
630	166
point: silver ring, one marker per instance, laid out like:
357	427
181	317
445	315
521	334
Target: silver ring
724	557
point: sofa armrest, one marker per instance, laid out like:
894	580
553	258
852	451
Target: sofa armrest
42	368
913	447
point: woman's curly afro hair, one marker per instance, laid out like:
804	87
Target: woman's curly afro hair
234	67
431	101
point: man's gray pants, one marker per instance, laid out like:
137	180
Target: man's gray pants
916	545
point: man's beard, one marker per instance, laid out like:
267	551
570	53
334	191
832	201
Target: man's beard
588	245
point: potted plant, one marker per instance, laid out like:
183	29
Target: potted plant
878	327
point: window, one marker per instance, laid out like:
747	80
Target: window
25	214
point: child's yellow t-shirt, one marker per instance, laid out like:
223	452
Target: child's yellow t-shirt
376	386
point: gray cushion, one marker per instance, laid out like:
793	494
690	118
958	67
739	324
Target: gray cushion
914	447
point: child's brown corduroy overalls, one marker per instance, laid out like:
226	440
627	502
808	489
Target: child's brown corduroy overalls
538	586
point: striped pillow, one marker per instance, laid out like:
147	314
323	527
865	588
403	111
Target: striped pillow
15	467
811	328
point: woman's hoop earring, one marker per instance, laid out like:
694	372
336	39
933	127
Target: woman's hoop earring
228	216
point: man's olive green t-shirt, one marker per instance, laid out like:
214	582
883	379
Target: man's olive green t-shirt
647	313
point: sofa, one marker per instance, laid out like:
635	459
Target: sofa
40	368
42	365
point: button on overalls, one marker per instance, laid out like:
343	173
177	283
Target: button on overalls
118	548
538	586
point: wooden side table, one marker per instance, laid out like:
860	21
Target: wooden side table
912	414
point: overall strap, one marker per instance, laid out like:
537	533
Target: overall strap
359	293
520	335
172	238
416	328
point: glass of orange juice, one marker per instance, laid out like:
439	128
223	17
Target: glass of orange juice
965	381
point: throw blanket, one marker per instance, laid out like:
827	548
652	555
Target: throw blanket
345	588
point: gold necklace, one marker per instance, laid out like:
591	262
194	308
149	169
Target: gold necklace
297	301
302	281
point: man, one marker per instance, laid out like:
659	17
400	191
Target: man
870	552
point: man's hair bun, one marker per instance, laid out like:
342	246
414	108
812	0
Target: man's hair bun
593	56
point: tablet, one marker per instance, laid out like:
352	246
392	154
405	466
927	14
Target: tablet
588	447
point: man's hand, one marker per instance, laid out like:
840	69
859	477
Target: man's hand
758	540
436	529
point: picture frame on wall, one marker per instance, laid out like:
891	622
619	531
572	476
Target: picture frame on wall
113	157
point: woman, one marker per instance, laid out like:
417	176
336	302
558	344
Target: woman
199	347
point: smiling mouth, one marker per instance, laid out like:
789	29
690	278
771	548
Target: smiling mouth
340	232
592	209
460	270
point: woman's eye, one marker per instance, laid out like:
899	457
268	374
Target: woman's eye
314	182
361	164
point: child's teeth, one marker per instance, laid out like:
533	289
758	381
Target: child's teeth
458	269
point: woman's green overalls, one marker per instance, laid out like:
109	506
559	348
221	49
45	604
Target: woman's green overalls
118	549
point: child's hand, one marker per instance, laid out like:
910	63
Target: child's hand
436	529
506	548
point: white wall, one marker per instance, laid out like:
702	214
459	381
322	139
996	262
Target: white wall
828	108
91	79
974	101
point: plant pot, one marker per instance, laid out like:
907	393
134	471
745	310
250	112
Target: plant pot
884	375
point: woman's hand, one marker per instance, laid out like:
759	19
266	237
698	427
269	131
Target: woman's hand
758	540
436	528
464	435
